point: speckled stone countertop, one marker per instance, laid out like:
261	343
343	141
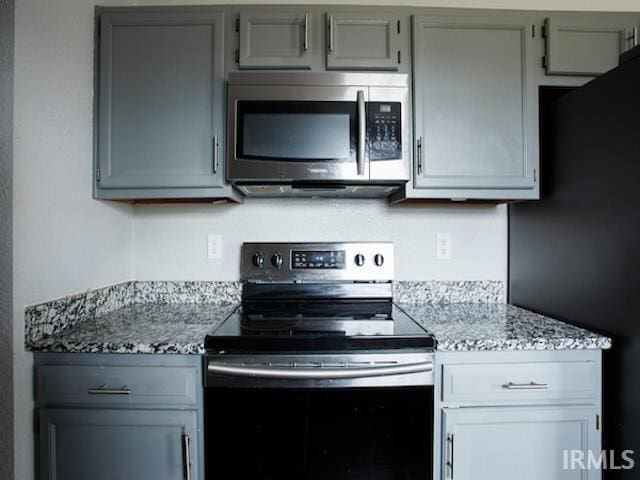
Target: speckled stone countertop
175	317
142	328
498	326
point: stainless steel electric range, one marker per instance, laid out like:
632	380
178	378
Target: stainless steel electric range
318	375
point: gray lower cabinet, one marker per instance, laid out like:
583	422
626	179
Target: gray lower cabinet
475	110
527	443
357	41
160	111
119	416
276	40
587	44
107	444
529	415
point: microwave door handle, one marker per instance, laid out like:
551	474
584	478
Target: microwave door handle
361	132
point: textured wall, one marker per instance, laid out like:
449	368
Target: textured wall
170	241
6	255
64	241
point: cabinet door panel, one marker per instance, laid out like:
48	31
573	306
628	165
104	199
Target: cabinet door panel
277	40
473	94
116	444
587	44
161	102
362	42
495	443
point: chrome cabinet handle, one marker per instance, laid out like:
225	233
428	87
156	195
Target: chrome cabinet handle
449	460
103	390
633	38
318	374
361	132
215	153
525	386
186	457
419	154
306	32
331	33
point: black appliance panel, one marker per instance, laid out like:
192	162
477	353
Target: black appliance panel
349	434
384	130
328	259
297	131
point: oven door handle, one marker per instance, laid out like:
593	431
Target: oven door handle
361	132
318	373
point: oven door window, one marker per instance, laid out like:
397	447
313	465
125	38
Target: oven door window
341	434
296	131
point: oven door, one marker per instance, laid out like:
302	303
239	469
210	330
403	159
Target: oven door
281	134
366	428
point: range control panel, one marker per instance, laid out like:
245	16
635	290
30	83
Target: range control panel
384	131
313	262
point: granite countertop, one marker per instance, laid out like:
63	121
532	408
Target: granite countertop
181	328
141	328
175	317
499	326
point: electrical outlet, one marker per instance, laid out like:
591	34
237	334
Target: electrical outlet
443	246
214	246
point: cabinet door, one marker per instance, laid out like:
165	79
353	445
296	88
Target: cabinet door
275	40
161	100
474	102
583	44
524	443
117	444
362	42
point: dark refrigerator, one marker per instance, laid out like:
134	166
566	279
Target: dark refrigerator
575	254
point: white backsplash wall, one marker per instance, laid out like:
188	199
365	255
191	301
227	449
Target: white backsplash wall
170	242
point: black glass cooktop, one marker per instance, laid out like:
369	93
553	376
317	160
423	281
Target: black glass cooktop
318	325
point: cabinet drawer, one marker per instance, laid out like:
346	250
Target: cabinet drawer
518	382
113	385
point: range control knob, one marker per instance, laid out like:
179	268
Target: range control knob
276	260
359	259
378	259
258	260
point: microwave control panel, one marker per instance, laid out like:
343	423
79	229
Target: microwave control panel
384	132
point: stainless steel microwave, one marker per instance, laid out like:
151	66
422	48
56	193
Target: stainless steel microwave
318	134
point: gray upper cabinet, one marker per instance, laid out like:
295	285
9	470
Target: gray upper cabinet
587	44
357	41
77	444
475	111
275	40
161	104
518	442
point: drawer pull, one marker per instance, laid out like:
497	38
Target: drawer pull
525	386
103	390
